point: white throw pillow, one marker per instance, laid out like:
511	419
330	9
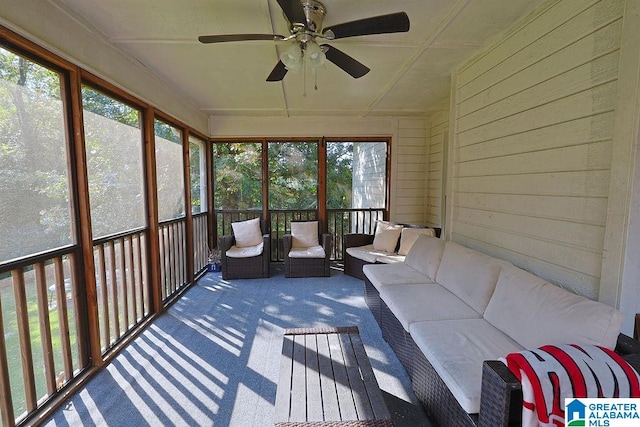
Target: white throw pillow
386	237
247	233
409	236
304	234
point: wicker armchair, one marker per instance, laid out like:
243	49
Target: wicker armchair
307	267
244	268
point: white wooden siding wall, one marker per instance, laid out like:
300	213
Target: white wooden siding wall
410	150
438	125
533	132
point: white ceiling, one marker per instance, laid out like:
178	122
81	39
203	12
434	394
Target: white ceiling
410	72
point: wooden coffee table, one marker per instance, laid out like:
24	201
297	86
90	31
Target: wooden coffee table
326	379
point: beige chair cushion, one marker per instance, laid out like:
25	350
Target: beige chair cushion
386	237
246	251
247	233
535	313
304	234
409	236
310	252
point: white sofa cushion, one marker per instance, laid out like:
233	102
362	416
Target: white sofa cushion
386	236
390	259
425	255
469	274
534	313
304	234
457	349
393	274
365	253
247	233
310	252
409	235
246	251
422	302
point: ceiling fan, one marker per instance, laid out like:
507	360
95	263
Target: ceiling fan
305	19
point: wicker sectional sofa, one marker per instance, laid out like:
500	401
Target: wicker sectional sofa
382	247
449	312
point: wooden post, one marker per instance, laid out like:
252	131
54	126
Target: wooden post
87	311
152	212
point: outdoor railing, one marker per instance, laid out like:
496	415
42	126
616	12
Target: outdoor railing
121	284
339	223
44	338
200	241
173	255
40	337
345	221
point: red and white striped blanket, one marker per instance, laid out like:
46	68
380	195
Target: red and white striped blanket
552	373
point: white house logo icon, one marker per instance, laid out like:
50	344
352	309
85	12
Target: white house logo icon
575	413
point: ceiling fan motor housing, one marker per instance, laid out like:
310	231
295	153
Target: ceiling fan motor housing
315	12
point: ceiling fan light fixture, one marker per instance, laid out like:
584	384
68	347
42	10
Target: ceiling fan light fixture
292	57
315	55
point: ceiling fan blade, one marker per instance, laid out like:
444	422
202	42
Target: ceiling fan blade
393	23
278	72
293	11
238	37
344	61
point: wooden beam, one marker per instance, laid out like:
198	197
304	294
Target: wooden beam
87	309
153	249
189	257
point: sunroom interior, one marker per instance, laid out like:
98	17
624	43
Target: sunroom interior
512	126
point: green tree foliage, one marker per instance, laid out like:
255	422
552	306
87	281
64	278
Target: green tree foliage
113	141
195	159
34	182
99	103
339	174
237	175
293	175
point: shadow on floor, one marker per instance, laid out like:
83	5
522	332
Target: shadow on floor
405	414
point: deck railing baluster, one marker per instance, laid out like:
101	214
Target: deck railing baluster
45	328
24	336
124	285
63	318
6	399
131	280
114	290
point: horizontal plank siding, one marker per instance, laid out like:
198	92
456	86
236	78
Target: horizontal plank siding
438	126
411	163
534	119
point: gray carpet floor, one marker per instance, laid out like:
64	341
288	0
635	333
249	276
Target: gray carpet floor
213	357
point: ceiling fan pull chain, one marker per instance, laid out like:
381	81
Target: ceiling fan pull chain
304	75
315	77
